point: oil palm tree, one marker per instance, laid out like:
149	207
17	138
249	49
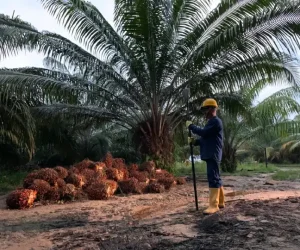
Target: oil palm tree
134	73
286	148
259	127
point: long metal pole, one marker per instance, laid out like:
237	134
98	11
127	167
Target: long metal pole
192	155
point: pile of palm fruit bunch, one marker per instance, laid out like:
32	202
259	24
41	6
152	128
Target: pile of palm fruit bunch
91	180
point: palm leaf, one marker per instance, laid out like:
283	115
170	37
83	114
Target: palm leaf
16	124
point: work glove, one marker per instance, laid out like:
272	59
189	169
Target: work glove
188	123
191	140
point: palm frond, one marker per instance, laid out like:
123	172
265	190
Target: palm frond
78	113
87	24
53	64
16	35
17	126
280	103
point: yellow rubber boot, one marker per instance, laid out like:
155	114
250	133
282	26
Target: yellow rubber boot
214	194
221	198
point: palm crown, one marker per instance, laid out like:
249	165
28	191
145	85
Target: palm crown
134	75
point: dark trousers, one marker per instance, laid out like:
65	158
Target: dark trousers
213	173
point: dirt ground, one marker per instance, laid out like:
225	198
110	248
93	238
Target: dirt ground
260	214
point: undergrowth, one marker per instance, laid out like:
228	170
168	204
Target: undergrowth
181	169
244	169
288	175
250	169
11	179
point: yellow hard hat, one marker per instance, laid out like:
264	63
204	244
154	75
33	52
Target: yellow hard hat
209	102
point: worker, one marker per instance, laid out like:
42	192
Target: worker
211	145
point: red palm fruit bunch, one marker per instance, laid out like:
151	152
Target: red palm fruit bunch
167	182
69	192
148	166
28	181
113	186
88	175
61	186
152	181
143	187
165	178
84	164
100	190
108	160
73	170
21	199
180	180
101	171
161	173
60	183
42	187
99	176
114	174
80	194
119	164
133	168
62	172
49	175
124	172
92	166
75	179
140	176
155	188
98	166
53	194
129	186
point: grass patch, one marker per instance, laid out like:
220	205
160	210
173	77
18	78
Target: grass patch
10	180
288	175
181	169
289	166
242	170
250	169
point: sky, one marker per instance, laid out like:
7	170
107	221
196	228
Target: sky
33	12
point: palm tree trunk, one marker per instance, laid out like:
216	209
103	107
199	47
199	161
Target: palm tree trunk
229	160
154	139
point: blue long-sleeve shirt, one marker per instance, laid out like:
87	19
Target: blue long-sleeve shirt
211	141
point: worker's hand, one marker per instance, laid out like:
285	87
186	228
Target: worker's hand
191	140
188	123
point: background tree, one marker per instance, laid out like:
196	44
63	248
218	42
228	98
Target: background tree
257	129
16	131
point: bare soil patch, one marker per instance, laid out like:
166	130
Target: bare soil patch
260	214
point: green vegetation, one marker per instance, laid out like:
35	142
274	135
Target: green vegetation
181	169
250	169
258	127
287	175
244	169
281	172
11	179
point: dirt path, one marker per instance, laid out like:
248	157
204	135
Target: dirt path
260	214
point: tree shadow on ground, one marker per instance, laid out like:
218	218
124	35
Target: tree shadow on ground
247	225
44	225
271	224
242	225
